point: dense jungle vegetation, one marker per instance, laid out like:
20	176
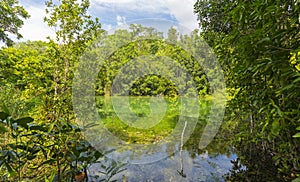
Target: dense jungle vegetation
257	44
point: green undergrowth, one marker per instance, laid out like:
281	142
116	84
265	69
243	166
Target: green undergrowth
157	126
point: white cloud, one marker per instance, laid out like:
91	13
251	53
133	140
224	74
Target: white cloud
113	1
107	26
114	12
183	11
137	6
121	20
34	28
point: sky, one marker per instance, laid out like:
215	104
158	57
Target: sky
159	14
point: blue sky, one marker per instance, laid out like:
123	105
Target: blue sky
112	13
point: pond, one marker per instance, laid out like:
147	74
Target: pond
197	167
167	151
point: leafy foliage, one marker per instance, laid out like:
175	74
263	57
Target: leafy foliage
35	80
257	43
30	148
11	15
120	53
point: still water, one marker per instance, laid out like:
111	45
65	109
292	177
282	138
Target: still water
196	167
209	164
145	159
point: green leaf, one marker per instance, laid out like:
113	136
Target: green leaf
48	162
5	109
296	180
275	127
297	135
51	127
3	115
31	157
3	129
24	121
10	169
51	178
38	128
296	80
266	39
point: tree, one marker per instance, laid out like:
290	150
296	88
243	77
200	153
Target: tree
173	35
255	43
11	15
150	43
75	30
24	76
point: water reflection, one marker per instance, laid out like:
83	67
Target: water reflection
203	166
209	164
